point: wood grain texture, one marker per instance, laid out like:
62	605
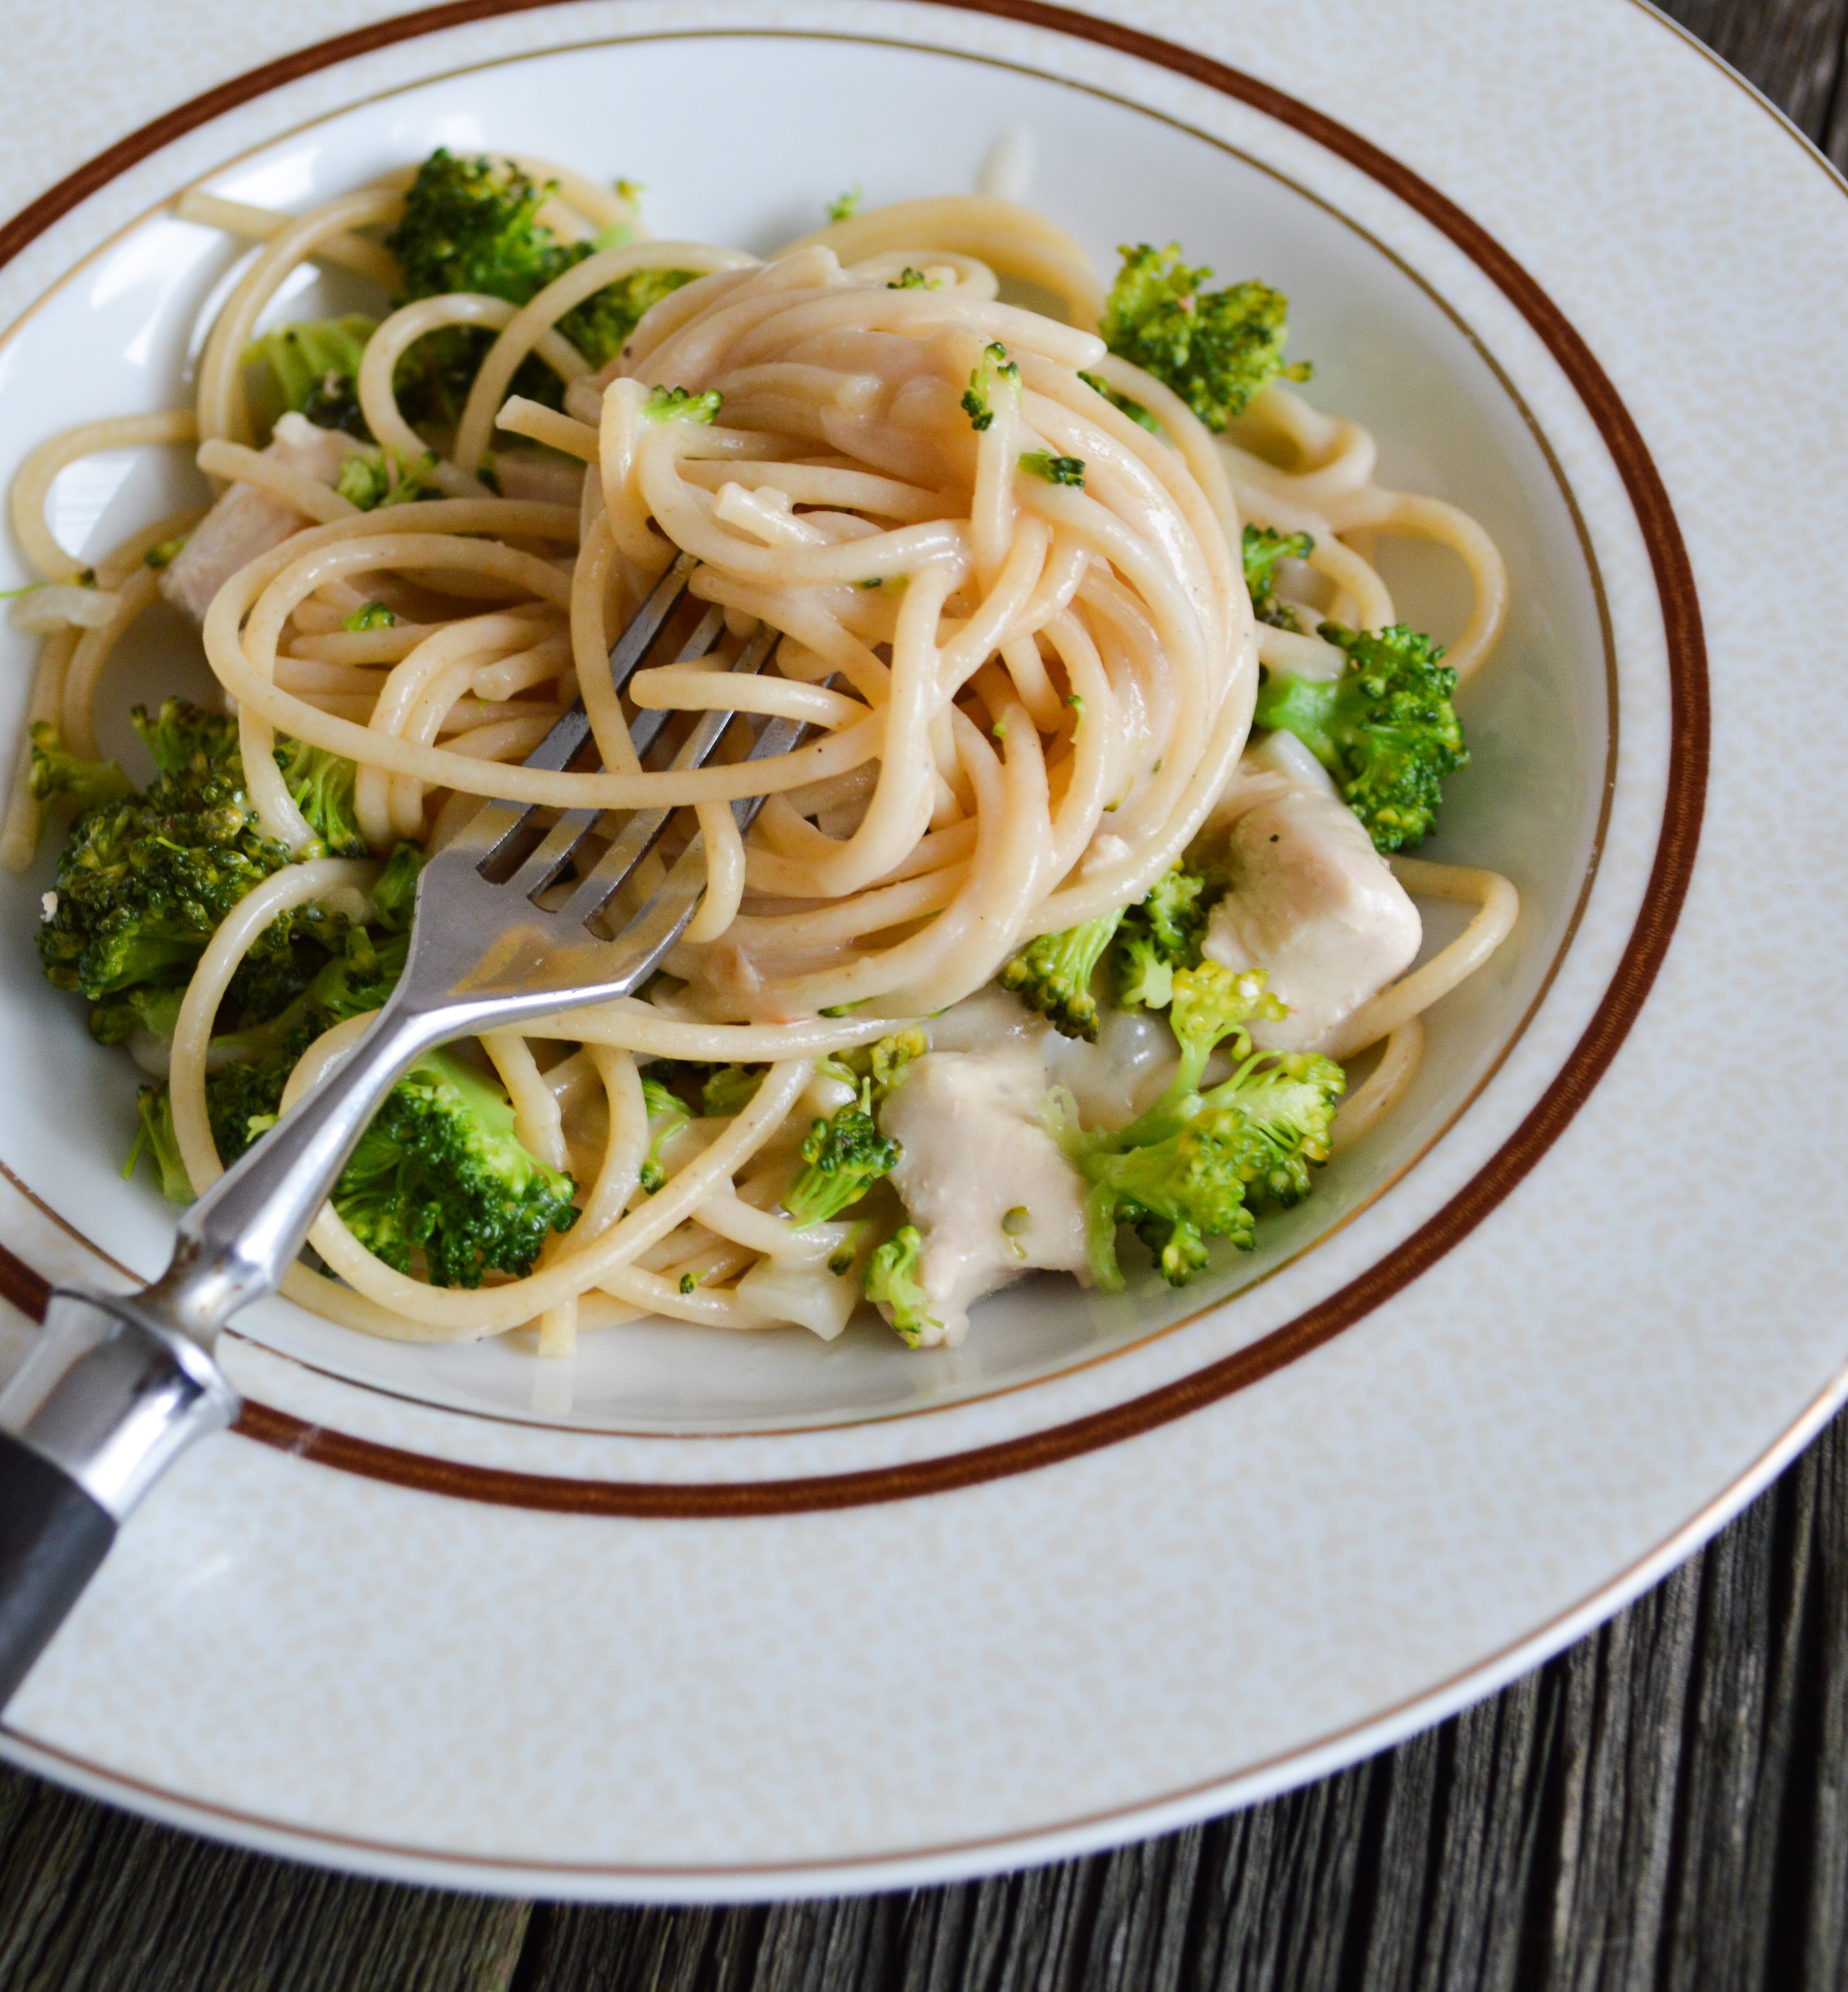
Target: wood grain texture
1664	1807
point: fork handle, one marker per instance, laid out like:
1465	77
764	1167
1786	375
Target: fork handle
237	1242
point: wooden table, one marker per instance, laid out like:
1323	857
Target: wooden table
1664	1806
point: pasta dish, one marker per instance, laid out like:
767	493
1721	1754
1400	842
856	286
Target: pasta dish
1077	932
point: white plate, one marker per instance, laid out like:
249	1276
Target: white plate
710	1616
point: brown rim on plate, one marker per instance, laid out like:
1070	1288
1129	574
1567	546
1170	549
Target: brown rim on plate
1617	1012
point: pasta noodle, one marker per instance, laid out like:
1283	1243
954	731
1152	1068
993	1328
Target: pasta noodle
1023	645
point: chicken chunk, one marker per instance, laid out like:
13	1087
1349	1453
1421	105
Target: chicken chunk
1314	905
246	522
991	1193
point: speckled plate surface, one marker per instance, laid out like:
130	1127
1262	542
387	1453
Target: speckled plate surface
710	1616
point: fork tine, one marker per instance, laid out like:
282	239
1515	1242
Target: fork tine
652	931
561	842
495	822
638	836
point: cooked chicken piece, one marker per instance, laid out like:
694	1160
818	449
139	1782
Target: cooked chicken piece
246	522
1313	904
991	1191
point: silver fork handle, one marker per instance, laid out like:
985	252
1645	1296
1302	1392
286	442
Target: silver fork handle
237	1242
117	1386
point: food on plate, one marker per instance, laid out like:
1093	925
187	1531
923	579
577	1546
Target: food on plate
1060	929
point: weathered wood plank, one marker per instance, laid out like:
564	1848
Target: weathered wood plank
1790	49
92	1900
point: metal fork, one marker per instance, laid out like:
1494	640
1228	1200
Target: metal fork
118	1385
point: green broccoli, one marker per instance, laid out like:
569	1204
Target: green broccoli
1385	729
1210	1004
1163	933
1214	349
846	1154
394	891
369	615
312	368
844	207
439	1172
994	369
881	1065
599	327
358	980
371	483
668	1114
728	1089
1052	974
155	1135
681	404
322	783
472	225
1253	1137
1051	469
891	1280
117	1018
143	882
1262	549
58	776
909	279
888	1058
1196	1166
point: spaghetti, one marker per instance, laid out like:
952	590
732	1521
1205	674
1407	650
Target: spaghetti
1004	564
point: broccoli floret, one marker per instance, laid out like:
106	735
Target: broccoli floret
143	883
471	225
1214	349
439	1171
890	1280
729	1089
668	1114
244	1097
360	979
312	368
1210	1004
993	371
1385	729
844	207
881	1065
1051	469
371	483
1194	1166
1052	974
58	776
1161	934
322	783
370	615
154	1136
117	1018
909	279
600	326
394	894
681	404
1262	549
1177	1192
846	1154
889	1057
1253	1137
